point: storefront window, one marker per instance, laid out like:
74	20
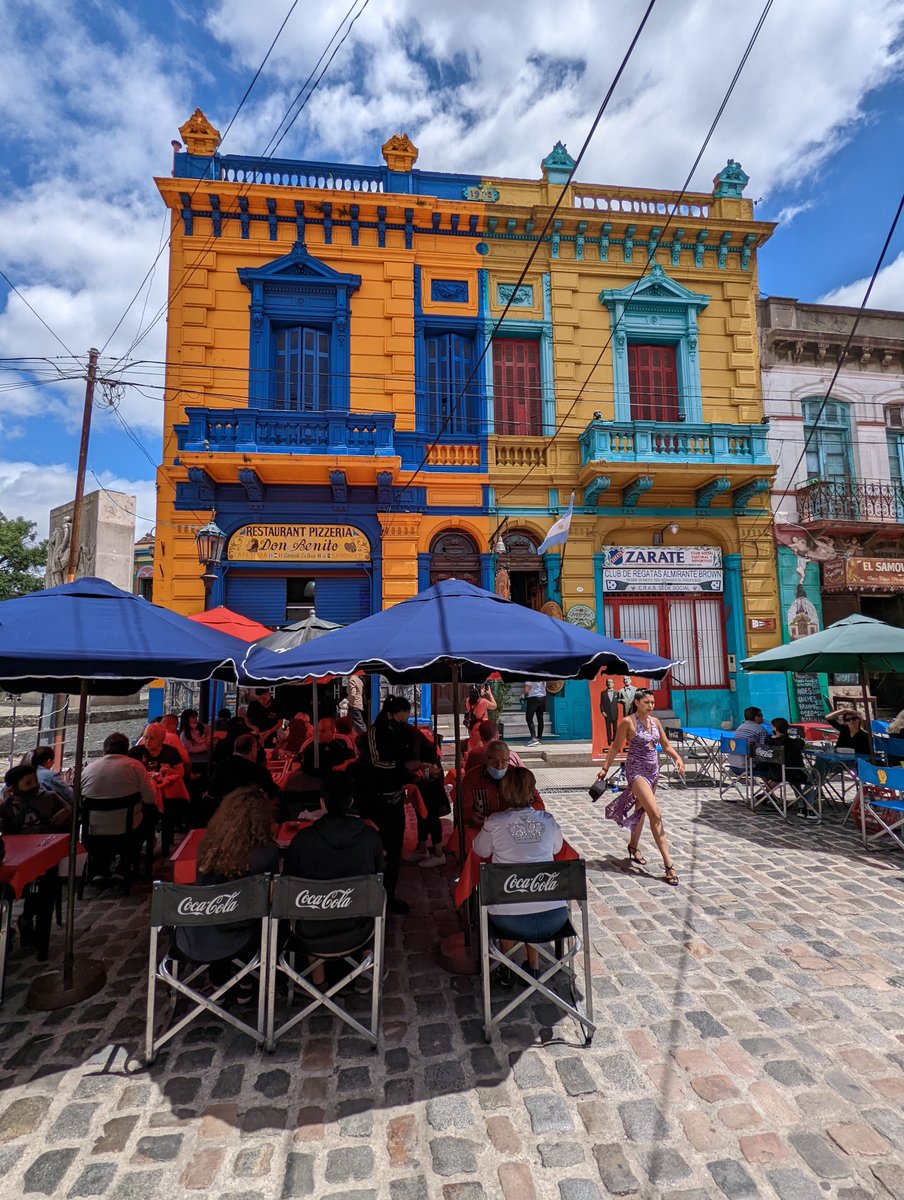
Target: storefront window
690	629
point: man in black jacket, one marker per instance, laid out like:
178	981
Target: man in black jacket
339	845
240	769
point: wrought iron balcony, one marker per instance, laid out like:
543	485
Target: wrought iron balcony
246	430
673	442
862	502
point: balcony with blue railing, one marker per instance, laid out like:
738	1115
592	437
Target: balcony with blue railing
269	431
674	443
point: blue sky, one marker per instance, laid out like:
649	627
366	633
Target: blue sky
92	92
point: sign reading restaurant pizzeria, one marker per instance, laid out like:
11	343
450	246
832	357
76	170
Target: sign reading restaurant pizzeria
884	574
657	569
298	543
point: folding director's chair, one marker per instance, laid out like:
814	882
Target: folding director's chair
881	804
767	789
178	906
360	902
734	781
511	883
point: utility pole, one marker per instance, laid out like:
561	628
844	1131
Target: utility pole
75	536
60	703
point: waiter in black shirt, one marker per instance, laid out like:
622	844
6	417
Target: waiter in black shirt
263	717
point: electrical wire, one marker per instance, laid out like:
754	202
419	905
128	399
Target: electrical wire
671	215
35	313
187	276
149	274
535	248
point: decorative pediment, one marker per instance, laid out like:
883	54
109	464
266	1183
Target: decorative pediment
298	263
199	135
400	153
657	288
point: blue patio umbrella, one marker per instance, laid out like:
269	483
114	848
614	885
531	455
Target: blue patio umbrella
454	628
455	631
91	637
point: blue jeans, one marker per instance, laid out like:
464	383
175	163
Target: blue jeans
529	927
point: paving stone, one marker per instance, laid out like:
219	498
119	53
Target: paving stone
272	1083
229	1083
449	1112
453	1156
298	1179
620	1071
435	1039
397	1060
643	1121
440	1078
158	1149
819	1156
714	1087
349	1163
354	1079
788	1072
398	1092
46	1173
664	1165
891	1176
467	1190
137	1185
615	1171
858	1139
253	1161
732	1180
706	1024
763	1148
848	1088
574	1075
23	1117
201	1170
263	1116
561	1154
578	1189
761	1047
94	1180
412	1188
791	1184
548	1114
73	1123
115	1135
517	1181
529	1071
888	1123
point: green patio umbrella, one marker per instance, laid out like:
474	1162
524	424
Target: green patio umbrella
855	644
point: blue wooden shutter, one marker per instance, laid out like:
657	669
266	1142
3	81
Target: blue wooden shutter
260	597
342	600
450	361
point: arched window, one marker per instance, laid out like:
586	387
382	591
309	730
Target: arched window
454	555
829	451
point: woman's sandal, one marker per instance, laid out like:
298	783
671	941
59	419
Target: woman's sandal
635	856
671	876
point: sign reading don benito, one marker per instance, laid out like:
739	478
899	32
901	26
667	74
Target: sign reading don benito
298	543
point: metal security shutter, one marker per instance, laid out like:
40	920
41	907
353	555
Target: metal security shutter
260	597
342	600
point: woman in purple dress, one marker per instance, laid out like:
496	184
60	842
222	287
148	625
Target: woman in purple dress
641	730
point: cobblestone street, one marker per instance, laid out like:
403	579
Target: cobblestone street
750	1043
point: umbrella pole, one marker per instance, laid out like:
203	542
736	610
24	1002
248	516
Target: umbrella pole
315	714
60	989
456	953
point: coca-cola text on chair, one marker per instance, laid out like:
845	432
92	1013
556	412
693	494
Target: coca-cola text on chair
519	883
238	909
332	920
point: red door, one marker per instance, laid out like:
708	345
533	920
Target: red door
653	380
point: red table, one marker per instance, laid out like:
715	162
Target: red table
28	857
184	858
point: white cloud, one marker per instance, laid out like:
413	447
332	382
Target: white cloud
790	211
31	490
888	290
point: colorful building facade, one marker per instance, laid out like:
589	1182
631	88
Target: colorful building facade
371	392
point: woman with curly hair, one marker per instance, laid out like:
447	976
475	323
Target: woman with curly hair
239	842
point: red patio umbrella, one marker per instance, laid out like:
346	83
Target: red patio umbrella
234	624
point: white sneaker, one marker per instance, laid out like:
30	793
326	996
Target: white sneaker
433	860
416	857
533	742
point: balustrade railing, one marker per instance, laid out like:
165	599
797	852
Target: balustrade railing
630	200
238	168
865	500
664	441
247	430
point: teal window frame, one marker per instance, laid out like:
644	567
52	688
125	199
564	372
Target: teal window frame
830	423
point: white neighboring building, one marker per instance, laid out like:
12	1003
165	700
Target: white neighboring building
839	511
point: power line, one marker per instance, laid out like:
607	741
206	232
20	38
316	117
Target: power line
35	313
674	208
149	274
161	312
535	247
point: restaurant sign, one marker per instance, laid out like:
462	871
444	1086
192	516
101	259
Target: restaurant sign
658	569
298	543
852	574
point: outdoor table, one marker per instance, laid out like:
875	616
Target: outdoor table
816	731
704	743
835	773
28	857
470	872
184	859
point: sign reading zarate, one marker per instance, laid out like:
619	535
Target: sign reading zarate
298	543
654	569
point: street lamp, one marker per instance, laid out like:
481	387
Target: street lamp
209	542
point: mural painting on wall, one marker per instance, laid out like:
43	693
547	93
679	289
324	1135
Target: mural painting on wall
802	617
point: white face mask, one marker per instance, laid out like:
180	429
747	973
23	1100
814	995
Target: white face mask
496	772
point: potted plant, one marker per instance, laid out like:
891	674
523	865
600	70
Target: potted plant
502	694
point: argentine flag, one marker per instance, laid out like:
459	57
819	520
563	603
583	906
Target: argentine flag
558	534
